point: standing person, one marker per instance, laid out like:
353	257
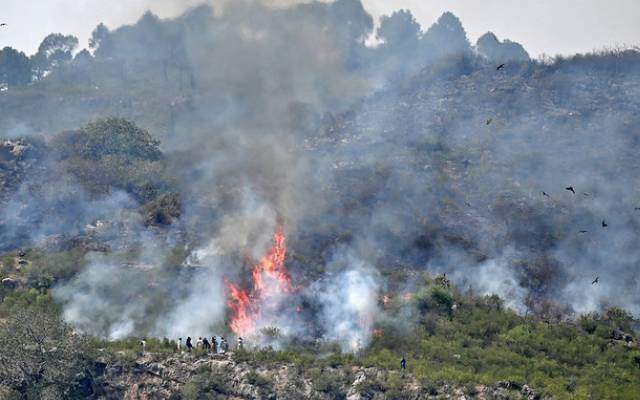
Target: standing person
403	364
223	345
240	343
205	344
214	345
189	345
179	345
143	344
199	343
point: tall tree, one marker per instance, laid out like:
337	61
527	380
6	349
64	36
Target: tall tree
15	67
54	51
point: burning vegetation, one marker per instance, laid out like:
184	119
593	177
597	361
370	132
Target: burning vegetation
270	283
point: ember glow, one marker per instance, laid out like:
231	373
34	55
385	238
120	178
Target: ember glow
270	281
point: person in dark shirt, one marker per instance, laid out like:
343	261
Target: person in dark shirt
189	345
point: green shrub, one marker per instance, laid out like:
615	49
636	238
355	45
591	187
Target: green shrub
327	382
589	322
206	385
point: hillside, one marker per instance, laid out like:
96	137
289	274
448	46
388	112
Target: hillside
266	173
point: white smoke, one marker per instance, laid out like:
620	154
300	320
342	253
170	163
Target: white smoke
348	299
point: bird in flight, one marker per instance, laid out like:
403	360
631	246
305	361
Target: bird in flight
500	67
489	121
586	194
467	204
570	188
545	194
3	24
584	231
604	224
597	280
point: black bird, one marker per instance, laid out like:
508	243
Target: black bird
570	188
586	194
604	224
468	205
637	208
545	194
500	67
489	121
597	280
584	231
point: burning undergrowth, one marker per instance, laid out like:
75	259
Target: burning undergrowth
259	307
340	307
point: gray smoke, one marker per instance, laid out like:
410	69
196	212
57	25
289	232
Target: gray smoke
412	154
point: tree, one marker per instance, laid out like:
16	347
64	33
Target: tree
15	67
445	38
99	38
108	137
489	46
39	351
399	29
54	51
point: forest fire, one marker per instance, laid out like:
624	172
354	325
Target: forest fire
270	280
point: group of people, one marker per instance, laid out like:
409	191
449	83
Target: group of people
213	346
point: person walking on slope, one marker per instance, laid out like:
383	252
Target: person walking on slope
403	364
189	345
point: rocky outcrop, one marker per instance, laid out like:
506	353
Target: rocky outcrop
185	376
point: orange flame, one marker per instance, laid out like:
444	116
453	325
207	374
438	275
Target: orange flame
272	266
270	278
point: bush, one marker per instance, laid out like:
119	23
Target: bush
256	379
206	385
589	322
327	382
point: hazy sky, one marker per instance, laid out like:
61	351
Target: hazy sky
542	26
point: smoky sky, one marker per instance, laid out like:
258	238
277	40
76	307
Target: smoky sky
543	27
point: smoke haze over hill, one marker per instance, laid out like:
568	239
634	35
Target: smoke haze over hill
417	154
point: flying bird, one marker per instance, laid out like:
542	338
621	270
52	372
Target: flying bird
604	224
637	208
570	188
500	67
597	280
545	194
3	24
467	203
584	231
586	194
489	121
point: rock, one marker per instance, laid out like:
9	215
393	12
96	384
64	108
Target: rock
9	283
148	378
